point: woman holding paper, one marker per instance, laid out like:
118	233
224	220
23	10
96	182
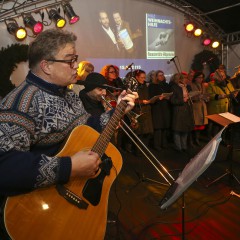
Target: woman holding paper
222	93
182	118
143	108
159	91
199	106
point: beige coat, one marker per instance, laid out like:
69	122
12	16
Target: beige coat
199	105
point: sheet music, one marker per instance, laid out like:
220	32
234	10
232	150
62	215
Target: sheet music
192	171
230	116
194	93
165	95
154	99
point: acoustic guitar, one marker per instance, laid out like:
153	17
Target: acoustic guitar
77	210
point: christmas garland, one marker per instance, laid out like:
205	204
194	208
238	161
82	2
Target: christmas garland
205	57
9	58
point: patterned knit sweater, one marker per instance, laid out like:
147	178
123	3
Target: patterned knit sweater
35	119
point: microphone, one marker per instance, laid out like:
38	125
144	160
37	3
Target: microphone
172	59
129	66
237	67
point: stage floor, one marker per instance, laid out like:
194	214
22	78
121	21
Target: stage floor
210	212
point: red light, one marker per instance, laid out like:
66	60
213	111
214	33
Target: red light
31	23
74	19
38	27
206	41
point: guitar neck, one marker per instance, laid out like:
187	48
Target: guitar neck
105	137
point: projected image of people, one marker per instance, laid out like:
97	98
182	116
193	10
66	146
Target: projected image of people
107	40
124	33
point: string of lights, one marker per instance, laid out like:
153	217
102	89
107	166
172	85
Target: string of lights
193	29
53	10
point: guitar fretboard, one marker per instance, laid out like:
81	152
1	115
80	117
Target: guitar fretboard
105	137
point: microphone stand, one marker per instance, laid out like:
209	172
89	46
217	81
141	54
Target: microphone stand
146	152
179	71
131	70
183	196
190	99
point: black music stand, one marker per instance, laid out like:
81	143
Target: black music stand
231	138
190	173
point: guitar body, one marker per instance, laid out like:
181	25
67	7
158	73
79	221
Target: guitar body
45	214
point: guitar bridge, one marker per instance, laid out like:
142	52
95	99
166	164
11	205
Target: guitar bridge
71	197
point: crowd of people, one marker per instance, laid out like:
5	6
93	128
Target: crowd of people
60	93
175	111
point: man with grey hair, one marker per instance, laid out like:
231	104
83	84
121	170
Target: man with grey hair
37	117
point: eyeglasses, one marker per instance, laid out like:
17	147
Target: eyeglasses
69	61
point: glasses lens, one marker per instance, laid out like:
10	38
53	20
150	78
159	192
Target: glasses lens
75	59
71	62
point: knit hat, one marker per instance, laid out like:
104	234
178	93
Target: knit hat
94	80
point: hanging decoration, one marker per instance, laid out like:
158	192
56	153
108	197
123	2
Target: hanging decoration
203	58
9	58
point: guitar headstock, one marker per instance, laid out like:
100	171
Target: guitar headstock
131	84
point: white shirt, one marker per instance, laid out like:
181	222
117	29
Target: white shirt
110	34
